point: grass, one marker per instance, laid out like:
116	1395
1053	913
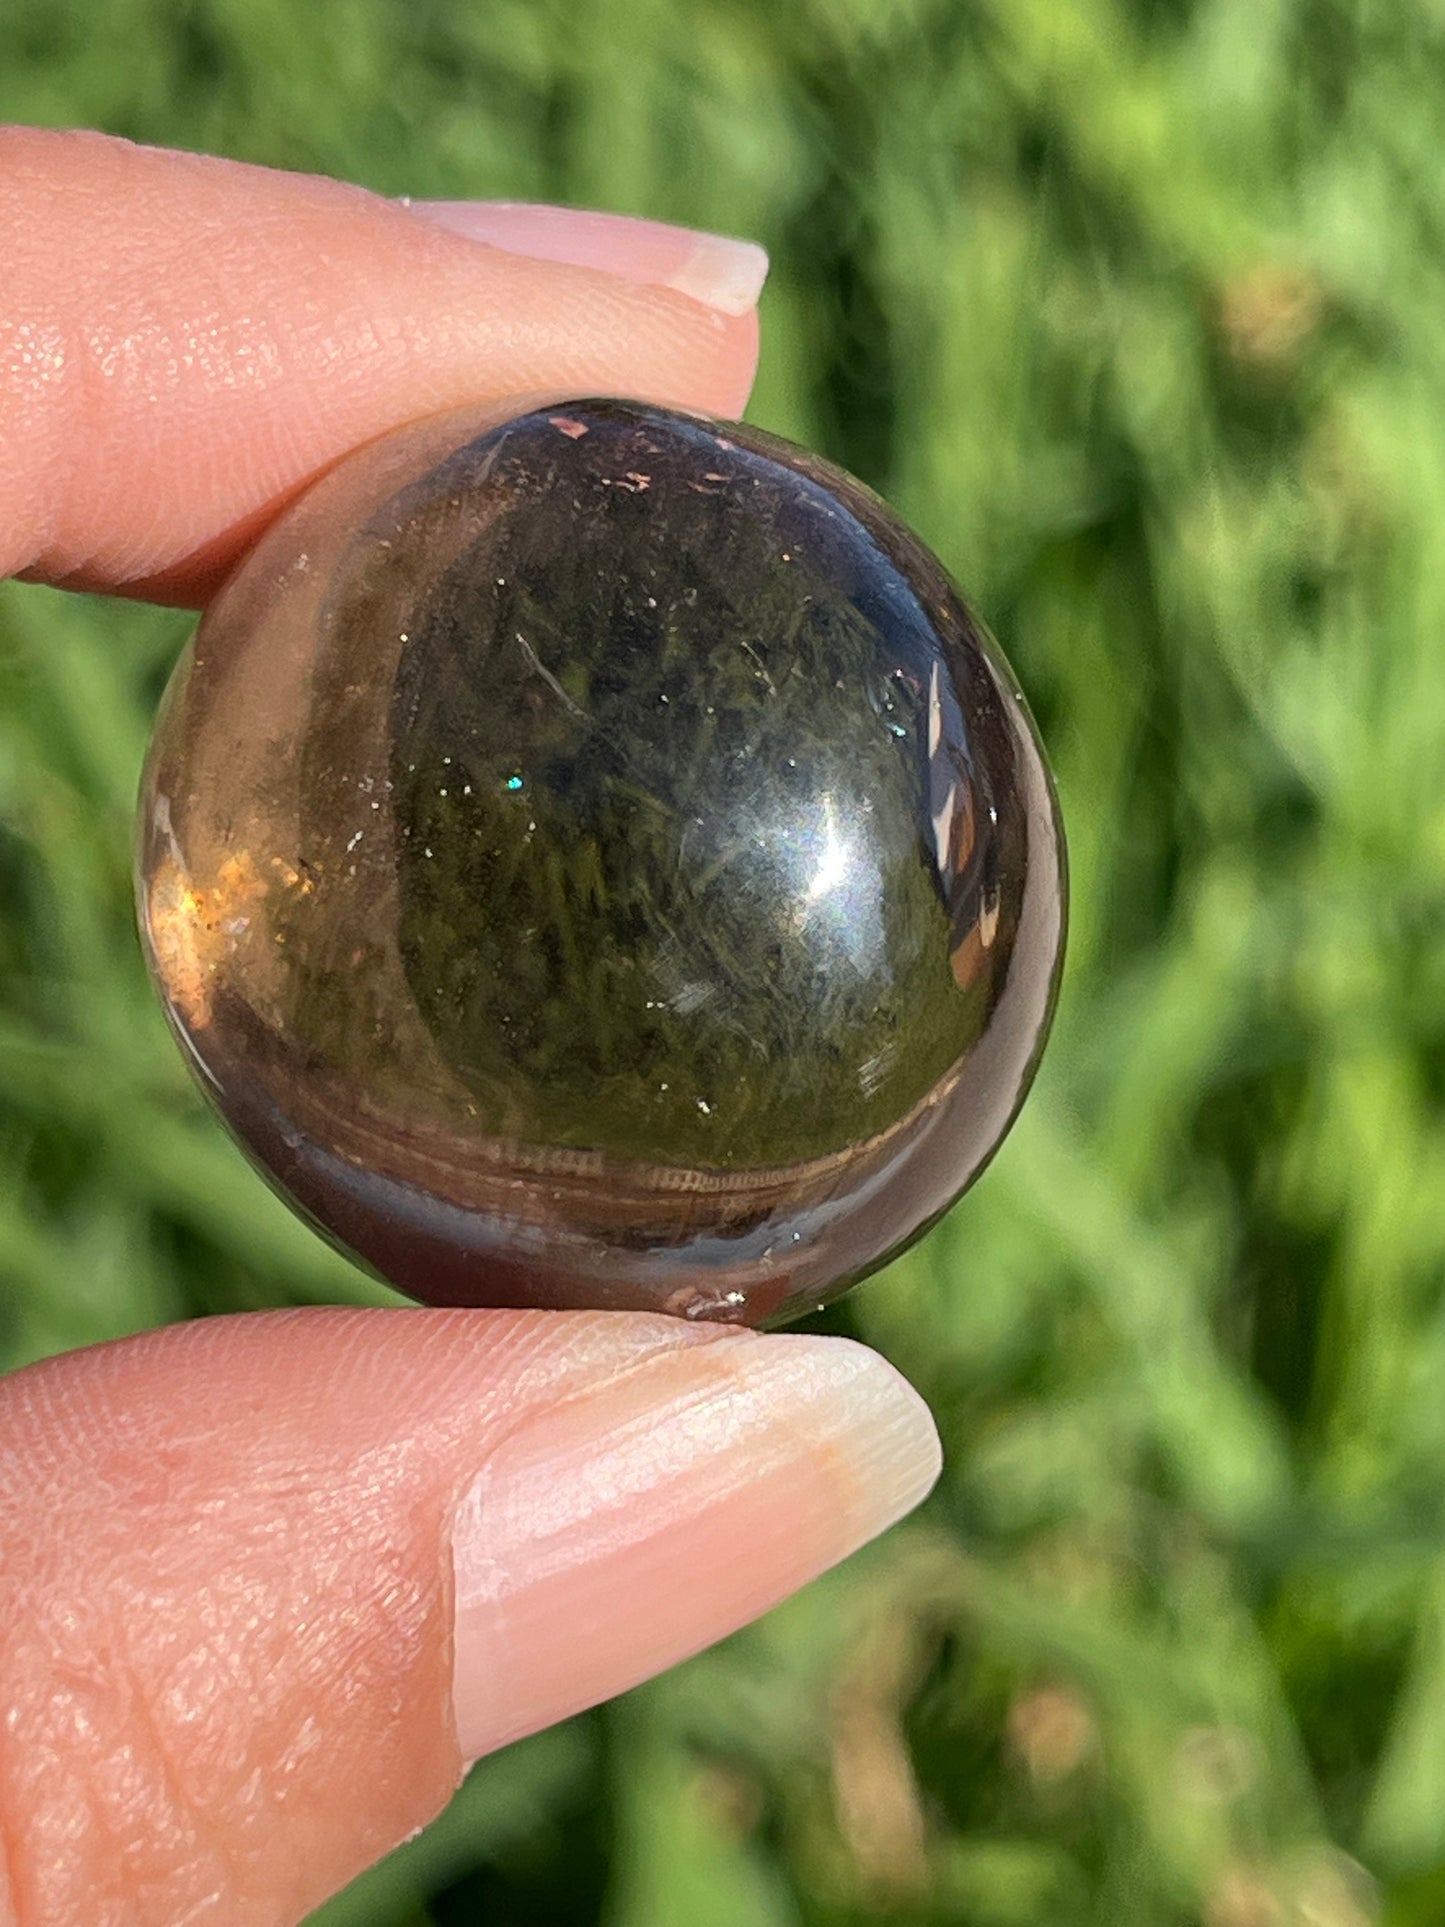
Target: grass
1134	308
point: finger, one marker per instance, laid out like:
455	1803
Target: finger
268	1581
185	342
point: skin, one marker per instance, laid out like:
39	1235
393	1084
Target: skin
268	1582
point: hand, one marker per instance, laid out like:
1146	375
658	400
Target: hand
268	1583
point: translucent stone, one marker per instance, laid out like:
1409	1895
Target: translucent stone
597	859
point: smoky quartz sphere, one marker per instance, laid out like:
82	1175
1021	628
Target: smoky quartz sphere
597	859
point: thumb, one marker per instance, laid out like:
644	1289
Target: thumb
268	1582
186	342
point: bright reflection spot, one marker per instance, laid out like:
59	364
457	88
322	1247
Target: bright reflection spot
839	898
832	870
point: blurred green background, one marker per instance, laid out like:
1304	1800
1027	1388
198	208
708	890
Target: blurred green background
1137	309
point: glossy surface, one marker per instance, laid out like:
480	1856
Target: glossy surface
597	859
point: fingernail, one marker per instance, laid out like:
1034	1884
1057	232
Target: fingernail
618	1533
712	268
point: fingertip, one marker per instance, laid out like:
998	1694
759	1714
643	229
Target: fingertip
292	1568
740	363
187	342
608	1538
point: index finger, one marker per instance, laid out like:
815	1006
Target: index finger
186	342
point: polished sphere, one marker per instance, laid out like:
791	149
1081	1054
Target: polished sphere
597	859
